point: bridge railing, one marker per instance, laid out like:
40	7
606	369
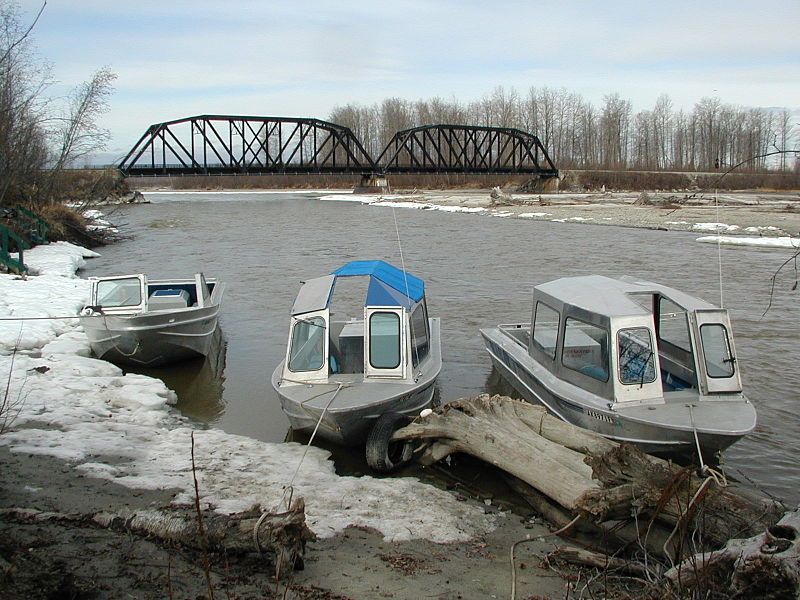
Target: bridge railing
16	265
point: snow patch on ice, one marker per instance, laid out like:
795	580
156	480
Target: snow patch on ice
760	242
718	227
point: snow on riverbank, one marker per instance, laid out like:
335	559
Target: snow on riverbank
760	242
120	427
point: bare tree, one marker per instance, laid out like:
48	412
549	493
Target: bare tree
783	138
22	137
615	128
578	135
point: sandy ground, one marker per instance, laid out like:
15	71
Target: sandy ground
55	561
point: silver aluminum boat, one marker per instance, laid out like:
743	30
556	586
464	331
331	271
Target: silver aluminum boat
371	351
135	321
632	360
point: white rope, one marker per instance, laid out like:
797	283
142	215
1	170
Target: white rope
405	275
538	537
285	504
719	249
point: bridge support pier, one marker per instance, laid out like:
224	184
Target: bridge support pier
372	183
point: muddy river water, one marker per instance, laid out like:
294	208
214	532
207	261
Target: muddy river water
479	271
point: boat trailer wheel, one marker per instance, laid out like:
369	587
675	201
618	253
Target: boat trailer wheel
384	455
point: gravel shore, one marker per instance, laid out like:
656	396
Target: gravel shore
763	214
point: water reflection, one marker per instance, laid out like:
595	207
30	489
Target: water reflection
199	383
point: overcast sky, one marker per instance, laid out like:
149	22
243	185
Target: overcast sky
178	58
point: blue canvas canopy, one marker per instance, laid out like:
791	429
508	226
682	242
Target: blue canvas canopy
386	281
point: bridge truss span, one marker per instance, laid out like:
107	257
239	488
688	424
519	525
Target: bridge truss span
466	149
218	145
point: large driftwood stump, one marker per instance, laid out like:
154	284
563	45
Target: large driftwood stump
281	537
587	474
765	566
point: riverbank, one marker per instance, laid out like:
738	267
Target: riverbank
756	218
742	214
82	436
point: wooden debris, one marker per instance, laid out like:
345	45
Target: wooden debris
765	566
281	537
598	560
639	500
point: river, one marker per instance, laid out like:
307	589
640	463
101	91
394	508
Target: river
479	271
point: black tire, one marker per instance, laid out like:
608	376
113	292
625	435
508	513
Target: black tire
384	455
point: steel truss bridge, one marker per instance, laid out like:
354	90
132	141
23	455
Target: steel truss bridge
226	145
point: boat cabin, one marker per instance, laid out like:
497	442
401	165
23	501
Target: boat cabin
629	341
134	294
383	333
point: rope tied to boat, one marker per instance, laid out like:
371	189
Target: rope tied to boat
718	477
285	502
710	475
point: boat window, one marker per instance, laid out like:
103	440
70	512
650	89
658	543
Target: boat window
637	364
586	349
419	334
717	350
384	340
545	329
119	292
307	345
673	324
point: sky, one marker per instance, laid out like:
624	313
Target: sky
179	58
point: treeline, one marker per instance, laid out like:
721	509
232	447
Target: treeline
577	134
39	136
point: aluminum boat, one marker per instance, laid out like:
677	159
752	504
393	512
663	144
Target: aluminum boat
632	360
369	352
135	321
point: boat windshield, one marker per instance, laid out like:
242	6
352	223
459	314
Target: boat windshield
586	349
384	340
420	336
307	345
119	292
636	360
717	350
545	329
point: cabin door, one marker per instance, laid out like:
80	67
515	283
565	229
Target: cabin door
716	357
385	342
307	352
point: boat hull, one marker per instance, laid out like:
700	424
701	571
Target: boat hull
348	421
679	433
152	339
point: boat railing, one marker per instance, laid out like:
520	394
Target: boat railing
519	332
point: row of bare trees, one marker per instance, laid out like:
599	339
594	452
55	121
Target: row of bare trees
577	134
39	136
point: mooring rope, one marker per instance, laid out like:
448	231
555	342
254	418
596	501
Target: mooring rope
564	529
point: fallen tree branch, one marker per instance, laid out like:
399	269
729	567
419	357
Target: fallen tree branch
282	536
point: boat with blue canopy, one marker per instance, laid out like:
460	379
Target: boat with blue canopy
361	345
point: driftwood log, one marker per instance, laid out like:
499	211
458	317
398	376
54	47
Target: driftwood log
667	509
280	537
765	566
